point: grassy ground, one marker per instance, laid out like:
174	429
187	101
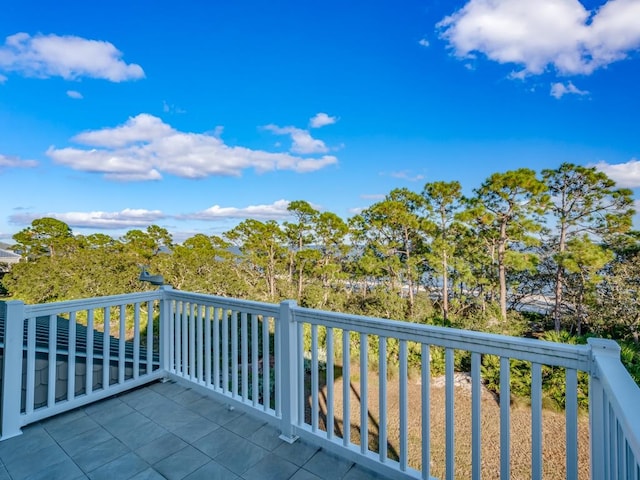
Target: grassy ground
520	454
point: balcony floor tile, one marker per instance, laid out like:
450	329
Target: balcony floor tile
164	431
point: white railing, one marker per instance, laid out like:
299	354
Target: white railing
309	372
63	355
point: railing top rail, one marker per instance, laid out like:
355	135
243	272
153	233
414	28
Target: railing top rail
89	303
537	351
249	306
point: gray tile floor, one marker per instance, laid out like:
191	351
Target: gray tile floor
164	431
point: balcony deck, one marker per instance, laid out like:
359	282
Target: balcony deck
164	430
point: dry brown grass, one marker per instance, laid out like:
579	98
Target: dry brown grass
520	454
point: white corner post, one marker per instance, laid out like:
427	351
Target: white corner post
165	325
600	348
289	374
12	369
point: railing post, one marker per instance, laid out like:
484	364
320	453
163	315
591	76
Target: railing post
599	348
165	325
12	369
289	374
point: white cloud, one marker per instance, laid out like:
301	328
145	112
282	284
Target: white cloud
373	196
167	108
406	175
276	211
301	140
127	218
15	162
559	89
626	175
424	42
2	79
322	119
145	147
69	57
535	35
74	94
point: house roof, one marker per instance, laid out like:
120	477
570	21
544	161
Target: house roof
7	256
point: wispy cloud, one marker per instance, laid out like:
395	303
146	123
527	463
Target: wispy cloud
69	57
74	94
626	175
301	140
144	147
15	162
558	90
372	196
127	218
275	211
561	34
406	175
169	108
424	42
321	119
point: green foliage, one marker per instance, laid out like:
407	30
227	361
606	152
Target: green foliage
405	258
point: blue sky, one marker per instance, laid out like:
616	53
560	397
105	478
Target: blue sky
195	115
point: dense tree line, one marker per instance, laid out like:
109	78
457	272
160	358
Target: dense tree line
431	256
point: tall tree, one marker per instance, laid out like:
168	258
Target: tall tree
391	232
45	236
584	201
301	238
443	201
510	205
331	233
144	245
263	251
583	261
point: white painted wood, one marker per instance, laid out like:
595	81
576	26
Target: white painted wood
244	355
314	379
505	418
226	364
31	365
571	422
71	358
234	353
216	349
383	436
300	403
476	417
404	407
330	381
121	339
177	321
425	407
52	360
136	340
287	347
255	361
200	343
11	376
346	388
88	386
207	345
449	413
536	421
364	390
266	364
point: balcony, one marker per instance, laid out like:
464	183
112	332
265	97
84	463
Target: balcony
171	384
